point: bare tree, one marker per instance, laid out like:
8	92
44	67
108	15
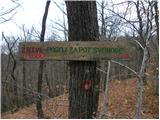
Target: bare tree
144	21
6	13
110	23
40	73
14	80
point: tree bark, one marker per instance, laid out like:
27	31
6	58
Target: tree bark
140	82
83	26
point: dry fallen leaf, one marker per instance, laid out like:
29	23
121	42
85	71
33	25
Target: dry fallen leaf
121	103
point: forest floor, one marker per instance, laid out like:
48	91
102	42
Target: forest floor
121	103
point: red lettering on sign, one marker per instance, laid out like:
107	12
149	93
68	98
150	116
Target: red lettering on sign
34	55
42	55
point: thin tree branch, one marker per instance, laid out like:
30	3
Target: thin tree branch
138	43
101	70
59	8
128	21
127	68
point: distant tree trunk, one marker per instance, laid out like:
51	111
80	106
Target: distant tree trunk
157	19
103	29
121	72
103	77
128	71
40	72
157	46
15	98
14	80
103	64
50	92
25	99
39	98
104	104
83	26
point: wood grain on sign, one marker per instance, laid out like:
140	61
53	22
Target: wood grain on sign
76	50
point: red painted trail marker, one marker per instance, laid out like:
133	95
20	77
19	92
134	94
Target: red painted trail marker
86	85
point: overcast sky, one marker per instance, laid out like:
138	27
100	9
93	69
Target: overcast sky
30	13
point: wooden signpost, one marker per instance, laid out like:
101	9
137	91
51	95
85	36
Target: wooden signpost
76	50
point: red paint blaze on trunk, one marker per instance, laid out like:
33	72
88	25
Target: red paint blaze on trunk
86	85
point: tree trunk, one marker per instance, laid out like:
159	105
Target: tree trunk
25	99
129	72
15	90
157	20
84	79
40	72
103	29
104	103
140	82
50	92
14	80
157	45
39	98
